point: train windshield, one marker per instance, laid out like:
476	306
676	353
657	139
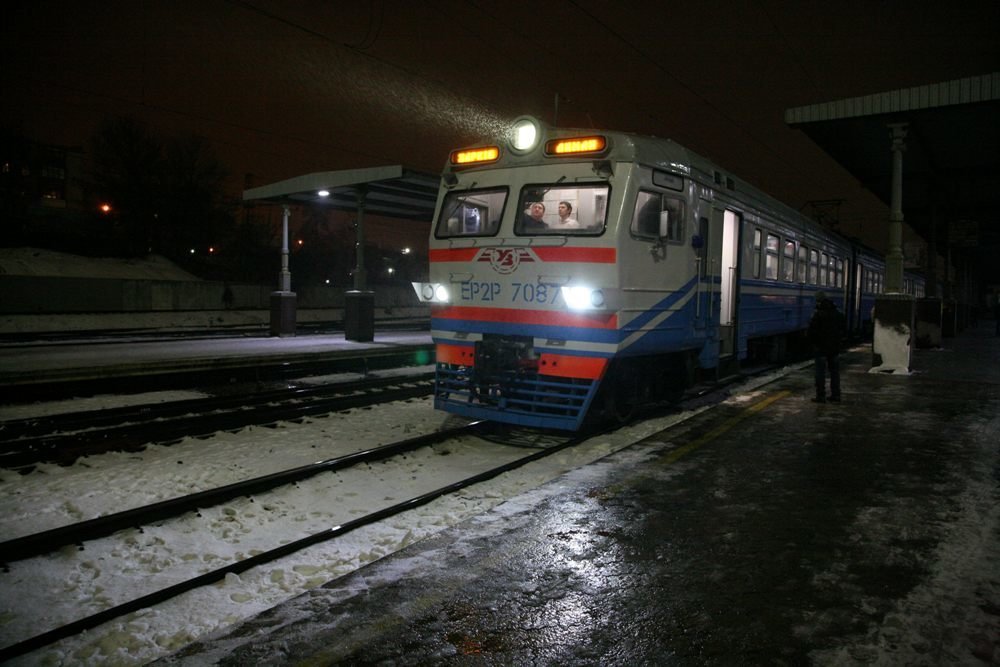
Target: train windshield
471	213
562	209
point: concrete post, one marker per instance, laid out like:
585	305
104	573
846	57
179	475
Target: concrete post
894	255
283	301
894	335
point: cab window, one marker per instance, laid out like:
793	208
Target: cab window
562	210
646	218
471	213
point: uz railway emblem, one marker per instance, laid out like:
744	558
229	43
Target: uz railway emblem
505	260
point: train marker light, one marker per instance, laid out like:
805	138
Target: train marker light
574	145
475	155
431	292
524	134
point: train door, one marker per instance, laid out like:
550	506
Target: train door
725	262
856	305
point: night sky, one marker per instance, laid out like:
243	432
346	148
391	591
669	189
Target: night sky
288	88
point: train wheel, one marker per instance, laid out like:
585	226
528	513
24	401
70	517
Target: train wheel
622	400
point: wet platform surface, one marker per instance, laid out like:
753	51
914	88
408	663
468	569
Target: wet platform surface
769	530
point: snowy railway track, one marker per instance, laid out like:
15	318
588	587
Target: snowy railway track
37	545
70	589
64	438
76	534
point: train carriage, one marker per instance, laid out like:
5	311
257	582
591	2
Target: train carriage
574	272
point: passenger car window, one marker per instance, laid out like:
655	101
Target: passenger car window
788	261
471	213
771	258
757	243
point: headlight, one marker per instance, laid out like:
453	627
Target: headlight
524	134
578	297
431	292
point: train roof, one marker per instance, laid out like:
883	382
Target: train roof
668	155
650	151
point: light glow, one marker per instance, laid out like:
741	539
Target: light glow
431	292
525	135
579	297
475	155
594	144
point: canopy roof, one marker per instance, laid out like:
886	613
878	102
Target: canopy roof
392	191
951	164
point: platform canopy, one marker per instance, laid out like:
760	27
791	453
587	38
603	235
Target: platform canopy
951	163
392	191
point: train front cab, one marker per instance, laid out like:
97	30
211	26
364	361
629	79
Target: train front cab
529	324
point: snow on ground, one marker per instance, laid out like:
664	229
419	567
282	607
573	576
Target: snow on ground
40	262
121	567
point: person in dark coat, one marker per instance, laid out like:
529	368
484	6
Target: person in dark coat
996	311
825	331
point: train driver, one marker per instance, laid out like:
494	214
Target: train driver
533	221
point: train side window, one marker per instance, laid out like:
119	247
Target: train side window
771	260
823	263
471	213
813	267
800	273
758	240
646	219
788	261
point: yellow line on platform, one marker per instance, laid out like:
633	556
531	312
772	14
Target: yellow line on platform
676	454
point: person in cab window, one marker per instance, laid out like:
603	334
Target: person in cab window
565	219
533	221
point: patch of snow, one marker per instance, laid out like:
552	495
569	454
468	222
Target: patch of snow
49	263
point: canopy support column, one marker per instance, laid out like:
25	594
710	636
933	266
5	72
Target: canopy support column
283	301
895	333
359	303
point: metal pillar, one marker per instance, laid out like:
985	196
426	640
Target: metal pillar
283	301
359	303
285	279
359	241
894	254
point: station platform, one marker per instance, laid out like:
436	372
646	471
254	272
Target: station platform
76	363
767	530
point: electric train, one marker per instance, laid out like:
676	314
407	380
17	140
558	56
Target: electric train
577	272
